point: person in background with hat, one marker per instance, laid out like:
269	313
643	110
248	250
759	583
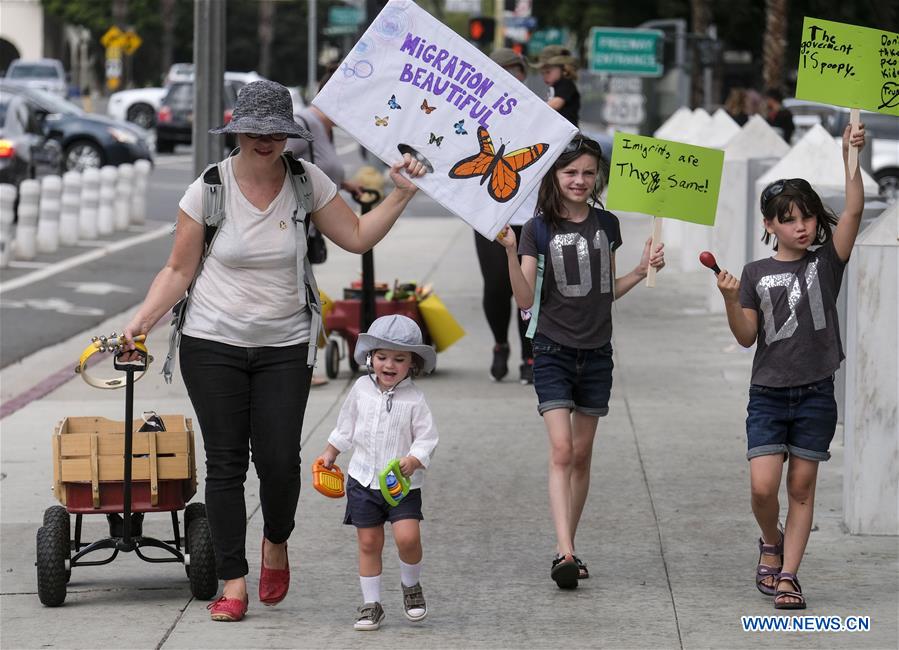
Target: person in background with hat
497	296
244	346
385	416
559	71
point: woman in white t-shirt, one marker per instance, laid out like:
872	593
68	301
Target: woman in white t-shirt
246	332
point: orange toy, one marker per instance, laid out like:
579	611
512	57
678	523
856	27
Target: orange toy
328	481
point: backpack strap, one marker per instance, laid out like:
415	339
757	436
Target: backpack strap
309	296
541	234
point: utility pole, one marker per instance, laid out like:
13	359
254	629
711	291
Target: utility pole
209	81
312	58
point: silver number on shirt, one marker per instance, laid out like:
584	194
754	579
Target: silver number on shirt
585	283
794	293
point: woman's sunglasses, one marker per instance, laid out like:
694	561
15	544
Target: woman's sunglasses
777	187
277	137
579	143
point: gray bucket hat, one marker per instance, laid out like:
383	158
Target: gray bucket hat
554	55
395	332
264	107
506	57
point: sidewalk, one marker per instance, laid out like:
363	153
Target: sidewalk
667	530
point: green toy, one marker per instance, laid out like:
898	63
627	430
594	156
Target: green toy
394	486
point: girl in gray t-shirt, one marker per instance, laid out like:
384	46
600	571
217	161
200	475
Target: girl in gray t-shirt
576	242
786	306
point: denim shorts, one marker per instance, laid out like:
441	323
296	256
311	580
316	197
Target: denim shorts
798	420
366	508
572	379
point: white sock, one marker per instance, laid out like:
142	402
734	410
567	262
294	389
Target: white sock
410	574
371	588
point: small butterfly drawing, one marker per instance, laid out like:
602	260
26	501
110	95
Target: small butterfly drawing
435	139
460	128
381	121
427	109
499	167
392	102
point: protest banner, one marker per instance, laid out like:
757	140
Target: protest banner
412	85
664	179
851	66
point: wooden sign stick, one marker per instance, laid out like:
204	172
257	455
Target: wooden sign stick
852	162
656	236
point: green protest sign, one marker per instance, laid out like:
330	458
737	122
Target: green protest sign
664	178
847	65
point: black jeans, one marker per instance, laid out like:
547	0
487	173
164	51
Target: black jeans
498	291
247	398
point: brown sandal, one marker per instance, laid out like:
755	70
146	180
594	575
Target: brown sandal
763	571
780	595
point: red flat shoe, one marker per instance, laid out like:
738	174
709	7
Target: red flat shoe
273	583
228	609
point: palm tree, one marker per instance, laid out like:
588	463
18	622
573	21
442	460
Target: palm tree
775	43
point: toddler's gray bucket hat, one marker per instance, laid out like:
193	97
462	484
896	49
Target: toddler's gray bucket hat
395	332
264	107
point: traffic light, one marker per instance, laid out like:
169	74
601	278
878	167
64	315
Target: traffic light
481	30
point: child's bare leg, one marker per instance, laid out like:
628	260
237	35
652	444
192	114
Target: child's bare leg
371	543
584	432
558	425
764	476
407	535
801	477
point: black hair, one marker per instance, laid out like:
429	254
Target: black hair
808	202
549	198
775	93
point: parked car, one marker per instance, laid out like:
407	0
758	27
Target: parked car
25	152
138	105
42	74
174	119
141	105
85	140
883	137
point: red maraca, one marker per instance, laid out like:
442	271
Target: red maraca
707	259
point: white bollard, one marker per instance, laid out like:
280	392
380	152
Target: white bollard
26	228
142	170
105	218
90	204
123	190
7	218
71	205
48	215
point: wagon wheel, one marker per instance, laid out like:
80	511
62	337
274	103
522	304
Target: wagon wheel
58	517
332	359
52	549
203	581
191	512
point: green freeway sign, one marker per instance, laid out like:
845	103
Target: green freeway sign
344	16
630	52
547	36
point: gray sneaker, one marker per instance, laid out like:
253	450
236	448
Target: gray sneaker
370	617
414	603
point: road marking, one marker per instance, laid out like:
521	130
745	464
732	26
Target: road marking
84	258
96	288
60	305
347	148
26	264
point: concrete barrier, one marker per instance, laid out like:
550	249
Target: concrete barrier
71	206
8	195
26	228
90	204
106	211
124	188
871	424
142	170
48	214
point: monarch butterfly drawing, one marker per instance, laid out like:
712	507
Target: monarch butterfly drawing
392	103
436	139
381	121
502	170
460	128
427	109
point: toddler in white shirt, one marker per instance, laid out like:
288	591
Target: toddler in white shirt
385	416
